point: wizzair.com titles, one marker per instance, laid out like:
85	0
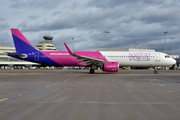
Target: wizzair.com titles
139	56
59	53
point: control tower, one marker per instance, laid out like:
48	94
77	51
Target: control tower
46	44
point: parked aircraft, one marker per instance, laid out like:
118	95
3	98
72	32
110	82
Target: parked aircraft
108	61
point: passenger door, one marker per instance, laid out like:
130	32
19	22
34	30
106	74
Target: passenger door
157	57
36	56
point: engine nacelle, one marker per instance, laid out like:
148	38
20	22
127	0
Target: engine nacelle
111	66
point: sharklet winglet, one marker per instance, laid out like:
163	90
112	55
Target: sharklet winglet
68	49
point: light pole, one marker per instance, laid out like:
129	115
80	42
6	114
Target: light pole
173	44
73	43
105	39
165	40
135	44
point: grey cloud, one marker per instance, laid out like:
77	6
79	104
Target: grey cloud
129	21
110	3
163	16
46	4
90	20
57	13
23	25
33	17
4	26
2	19
6	39
102	19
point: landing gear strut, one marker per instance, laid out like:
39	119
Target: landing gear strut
91	71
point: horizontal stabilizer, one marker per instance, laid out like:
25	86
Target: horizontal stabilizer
20	55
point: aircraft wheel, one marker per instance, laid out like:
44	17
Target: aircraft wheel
91	71
155	72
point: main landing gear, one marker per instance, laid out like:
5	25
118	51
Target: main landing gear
91	71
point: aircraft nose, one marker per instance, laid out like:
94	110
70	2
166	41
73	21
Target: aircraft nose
173	61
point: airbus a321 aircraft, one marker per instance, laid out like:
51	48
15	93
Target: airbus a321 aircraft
108	61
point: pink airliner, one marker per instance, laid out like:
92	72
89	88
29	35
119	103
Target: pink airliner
108	61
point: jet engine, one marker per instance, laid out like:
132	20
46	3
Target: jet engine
110	67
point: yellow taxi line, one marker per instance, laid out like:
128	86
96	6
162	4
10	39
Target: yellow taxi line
35	89
4	99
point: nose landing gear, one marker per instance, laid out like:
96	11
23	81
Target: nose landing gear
155	70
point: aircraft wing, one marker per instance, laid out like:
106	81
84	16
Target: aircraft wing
87	60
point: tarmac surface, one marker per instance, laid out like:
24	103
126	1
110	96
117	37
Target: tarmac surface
78	95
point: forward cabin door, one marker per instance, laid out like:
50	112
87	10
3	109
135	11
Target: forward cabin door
157	57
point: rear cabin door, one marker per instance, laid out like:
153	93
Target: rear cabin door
36	56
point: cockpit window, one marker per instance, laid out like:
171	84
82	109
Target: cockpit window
167	56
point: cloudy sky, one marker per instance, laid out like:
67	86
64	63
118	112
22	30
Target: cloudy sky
128	21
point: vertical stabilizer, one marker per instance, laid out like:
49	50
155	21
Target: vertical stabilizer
20	42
